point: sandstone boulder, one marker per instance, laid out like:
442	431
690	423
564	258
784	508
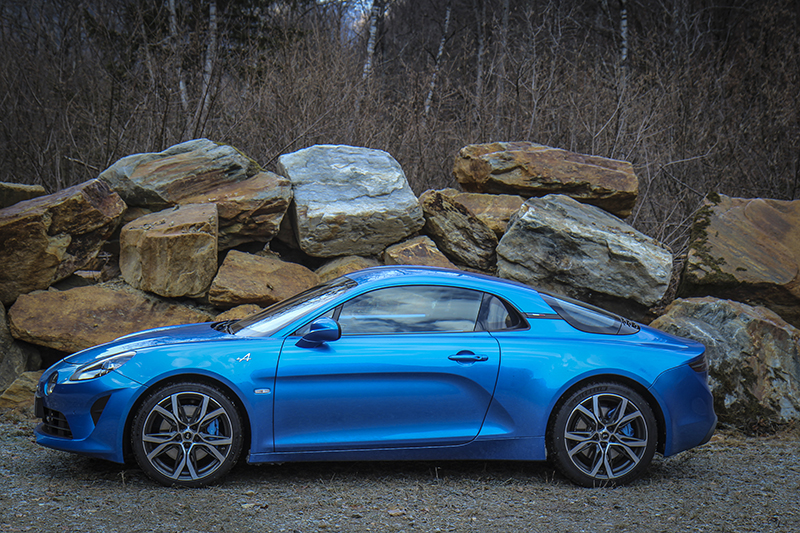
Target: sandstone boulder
753	355
417	251
343	265
582	251
48	238
15	357
78	318
238	312
173	252
529	169
494	210
12	193
348	200
19	395
192	168
250	210
251	279
457	232
747	250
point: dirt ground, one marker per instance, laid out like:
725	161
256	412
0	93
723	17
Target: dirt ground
732	484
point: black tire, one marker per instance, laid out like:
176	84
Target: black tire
187	434
603	434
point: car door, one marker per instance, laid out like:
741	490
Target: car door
409	370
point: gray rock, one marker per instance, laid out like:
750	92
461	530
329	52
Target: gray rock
457	231
582	251
753	355
197	167
15	357
348	200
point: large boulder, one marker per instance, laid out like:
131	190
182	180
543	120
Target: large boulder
457	232
343	265
753	356
747	250
173	252
417	251
252	279
78	318
12	193
582	251
250	210
349	200
46	239
15	357
20	394
191	168
494	210
529	170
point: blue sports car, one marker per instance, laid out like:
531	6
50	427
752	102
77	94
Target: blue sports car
388	363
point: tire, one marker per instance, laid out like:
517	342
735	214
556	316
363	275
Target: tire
187	434
603	434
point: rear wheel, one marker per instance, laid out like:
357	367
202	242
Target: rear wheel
187	434
603	434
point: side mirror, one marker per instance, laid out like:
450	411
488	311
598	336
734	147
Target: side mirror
322	330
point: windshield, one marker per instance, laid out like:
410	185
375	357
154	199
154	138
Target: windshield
279	315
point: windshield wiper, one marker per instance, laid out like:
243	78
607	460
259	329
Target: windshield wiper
224	325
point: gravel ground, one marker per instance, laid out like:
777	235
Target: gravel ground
734	483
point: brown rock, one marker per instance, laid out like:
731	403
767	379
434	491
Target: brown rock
343	265
245	278
78	318
747	250
12	193
250	210
457	232
417	251
494	210
172	252
48	238
238	312
529	169
15	357
20	394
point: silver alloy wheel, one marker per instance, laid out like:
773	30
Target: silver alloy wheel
606	436
187	436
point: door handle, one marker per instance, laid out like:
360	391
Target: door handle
468	357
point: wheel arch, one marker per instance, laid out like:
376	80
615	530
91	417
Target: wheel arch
182	378
622	380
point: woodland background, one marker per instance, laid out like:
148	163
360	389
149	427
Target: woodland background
701	96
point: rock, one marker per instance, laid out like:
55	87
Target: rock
78	318
46	239
343	265
250	210
190	169
753	355
173	252
747	250
238	312
457	232
348	200
20	394
529	170
494	210
417	251
579	250
251	279
12	193
15	357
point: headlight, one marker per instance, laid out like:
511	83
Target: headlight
101	367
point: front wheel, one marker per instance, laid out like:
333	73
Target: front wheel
187	434
603	434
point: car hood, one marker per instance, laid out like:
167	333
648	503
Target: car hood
148	338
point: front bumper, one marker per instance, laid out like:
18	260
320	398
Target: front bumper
85	417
